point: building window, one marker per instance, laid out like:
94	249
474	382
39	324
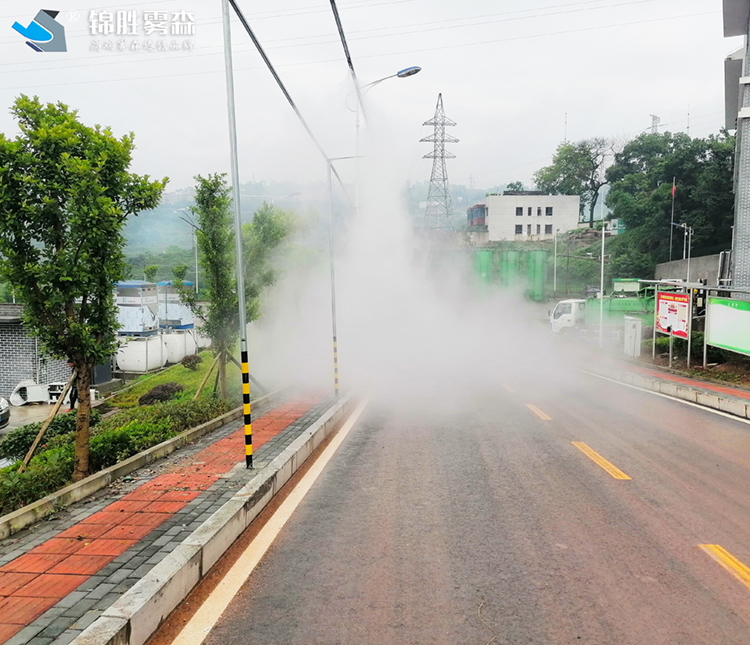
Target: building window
539	211
519	229
538	229
548	211
519	211
529	211
548	229
528	230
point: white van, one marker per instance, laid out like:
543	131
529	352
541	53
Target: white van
567	315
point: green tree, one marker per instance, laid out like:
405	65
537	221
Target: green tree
215	234
578	169
641	197
180	271
65	193
515	186
150	272
270	227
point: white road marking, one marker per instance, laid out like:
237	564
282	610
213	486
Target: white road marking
197	628
671	398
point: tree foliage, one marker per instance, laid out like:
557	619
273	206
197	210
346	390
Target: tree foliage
578	169
215	234
65	193
150	271
641	197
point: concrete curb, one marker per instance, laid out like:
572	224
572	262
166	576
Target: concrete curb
137	614
23	517
734	406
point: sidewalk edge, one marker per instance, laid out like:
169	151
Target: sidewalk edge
734	406
32	513
137	614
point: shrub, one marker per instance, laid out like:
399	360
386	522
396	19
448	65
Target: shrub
118	437
191	361
46	473
17	442
160	393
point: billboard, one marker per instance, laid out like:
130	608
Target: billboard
728	324
673	313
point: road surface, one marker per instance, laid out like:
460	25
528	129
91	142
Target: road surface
546	509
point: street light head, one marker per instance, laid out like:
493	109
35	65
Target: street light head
409	71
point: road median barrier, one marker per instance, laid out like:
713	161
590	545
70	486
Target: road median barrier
28	515
137	614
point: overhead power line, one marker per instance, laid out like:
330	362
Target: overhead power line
284	91
349	62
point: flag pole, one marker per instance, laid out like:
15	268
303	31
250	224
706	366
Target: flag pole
671	223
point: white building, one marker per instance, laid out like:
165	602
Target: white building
530	215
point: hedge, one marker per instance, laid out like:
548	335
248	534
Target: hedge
114	439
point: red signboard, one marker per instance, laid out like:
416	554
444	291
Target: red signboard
673	314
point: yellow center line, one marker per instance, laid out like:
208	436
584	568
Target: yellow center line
538	412
600	461
729	562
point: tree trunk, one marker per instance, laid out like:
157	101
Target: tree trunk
83	421
223	375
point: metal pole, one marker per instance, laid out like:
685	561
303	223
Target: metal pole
705	335
690	244
240	278
690	326
671	223
601	296
684	242
333	285
356	167
671	339
653	340
554	272
195	245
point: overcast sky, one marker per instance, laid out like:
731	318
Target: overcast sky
509	71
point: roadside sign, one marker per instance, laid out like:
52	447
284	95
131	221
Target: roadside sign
673	314
728	324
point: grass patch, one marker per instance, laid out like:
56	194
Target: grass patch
189	379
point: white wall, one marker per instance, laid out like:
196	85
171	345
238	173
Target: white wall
502	219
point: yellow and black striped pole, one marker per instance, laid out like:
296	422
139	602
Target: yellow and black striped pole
333	284
248	417
335	367
239	274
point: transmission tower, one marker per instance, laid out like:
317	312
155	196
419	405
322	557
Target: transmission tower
655	122
439	211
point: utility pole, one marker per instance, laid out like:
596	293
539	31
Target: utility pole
235	170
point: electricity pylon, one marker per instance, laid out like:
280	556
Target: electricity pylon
439	211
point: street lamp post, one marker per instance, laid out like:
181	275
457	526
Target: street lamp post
554	272
601	292
240	278
688	241
333	274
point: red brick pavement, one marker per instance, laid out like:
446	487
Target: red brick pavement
37	580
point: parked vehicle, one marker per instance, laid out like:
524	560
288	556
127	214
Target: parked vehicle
4	412
567	316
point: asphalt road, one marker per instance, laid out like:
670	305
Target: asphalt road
477	520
